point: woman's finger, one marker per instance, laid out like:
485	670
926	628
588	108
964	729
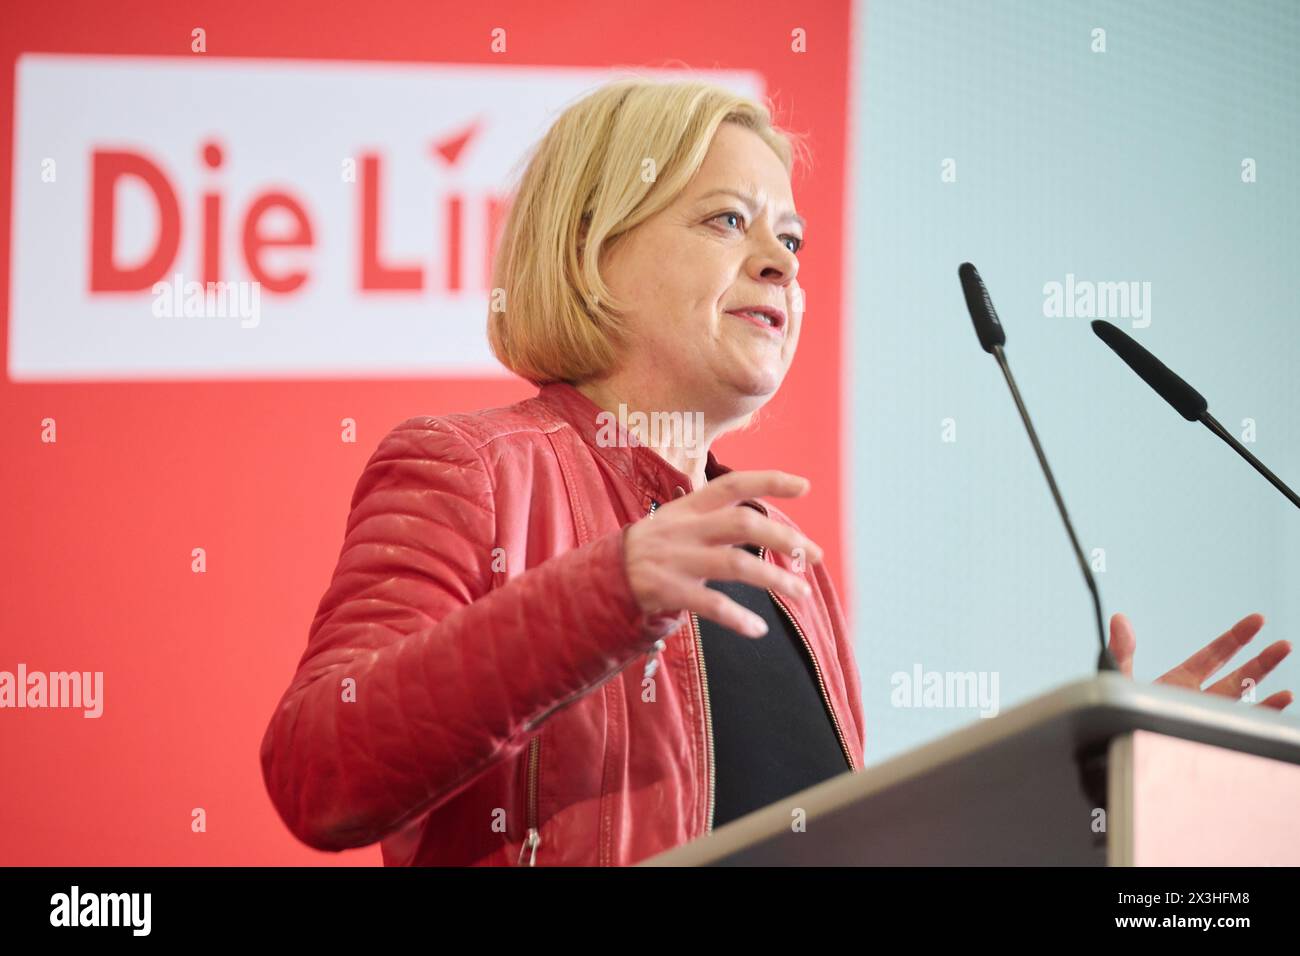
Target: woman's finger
1279	701
1204	663
743	525
1123	643
737	564
720	609
736	486
1254	670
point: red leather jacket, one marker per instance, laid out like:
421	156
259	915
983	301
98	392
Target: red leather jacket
474	688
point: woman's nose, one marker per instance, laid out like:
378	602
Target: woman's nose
774	262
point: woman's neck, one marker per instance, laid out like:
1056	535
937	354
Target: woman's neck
681	436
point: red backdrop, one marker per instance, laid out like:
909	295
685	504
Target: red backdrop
100	525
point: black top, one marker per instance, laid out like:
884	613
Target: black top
772	734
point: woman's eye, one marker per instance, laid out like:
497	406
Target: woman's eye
798	243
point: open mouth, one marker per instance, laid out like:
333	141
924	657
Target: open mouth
762	315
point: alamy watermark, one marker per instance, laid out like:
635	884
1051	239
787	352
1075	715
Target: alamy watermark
661	429
945	689
57	689
212	300
1085	299
75	908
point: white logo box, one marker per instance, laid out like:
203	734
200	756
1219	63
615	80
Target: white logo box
281	127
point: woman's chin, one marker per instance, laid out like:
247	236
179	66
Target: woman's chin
759	379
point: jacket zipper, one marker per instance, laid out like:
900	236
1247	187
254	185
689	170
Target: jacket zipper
652	659
839	731
708	714
533	838
652	664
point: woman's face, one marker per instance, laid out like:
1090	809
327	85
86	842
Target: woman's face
727	242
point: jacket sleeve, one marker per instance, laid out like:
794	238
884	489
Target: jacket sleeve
418	674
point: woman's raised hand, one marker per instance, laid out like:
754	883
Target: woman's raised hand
1198	668
690	540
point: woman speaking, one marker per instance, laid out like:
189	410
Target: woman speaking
562	632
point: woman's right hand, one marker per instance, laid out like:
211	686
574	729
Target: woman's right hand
690	540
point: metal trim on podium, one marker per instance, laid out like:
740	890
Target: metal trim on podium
1105	770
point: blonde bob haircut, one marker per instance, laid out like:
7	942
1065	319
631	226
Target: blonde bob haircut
609	162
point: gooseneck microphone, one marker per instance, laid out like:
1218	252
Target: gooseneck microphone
1186	400
992	338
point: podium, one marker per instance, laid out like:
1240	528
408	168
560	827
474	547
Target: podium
1101	771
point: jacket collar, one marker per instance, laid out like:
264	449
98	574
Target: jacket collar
654	477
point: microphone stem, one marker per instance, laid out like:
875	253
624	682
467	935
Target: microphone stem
1105	661
1209	421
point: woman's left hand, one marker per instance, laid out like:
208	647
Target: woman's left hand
1194	671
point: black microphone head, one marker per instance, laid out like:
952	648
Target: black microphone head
980	307
1186	400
